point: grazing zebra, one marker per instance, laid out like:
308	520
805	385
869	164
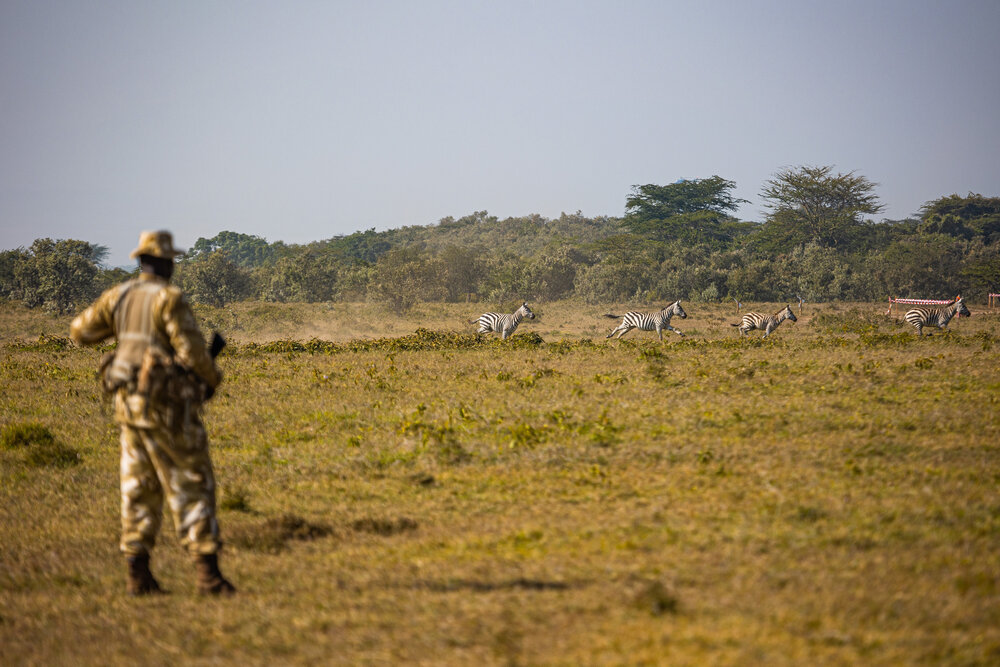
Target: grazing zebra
648	321
928	316
767	323
504	324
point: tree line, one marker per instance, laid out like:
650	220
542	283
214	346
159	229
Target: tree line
818	241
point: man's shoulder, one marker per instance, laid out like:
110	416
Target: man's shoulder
115	292
172	290
172	298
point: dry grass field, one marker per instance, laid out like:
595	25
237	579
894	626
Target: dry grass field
396	490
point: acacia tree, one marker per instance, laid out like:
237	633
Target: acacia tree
692	211
812	204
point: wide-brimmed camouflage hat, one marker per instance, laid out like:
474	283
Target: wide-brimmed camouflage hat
156	244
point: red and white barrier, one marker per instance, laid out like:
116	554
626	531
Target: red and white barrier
917	302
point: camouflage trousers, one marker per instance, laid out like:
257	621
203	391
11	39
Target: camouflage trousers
160	462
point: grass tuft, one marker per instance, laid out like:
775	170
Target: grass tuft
657	599
15	436
384	527
236	499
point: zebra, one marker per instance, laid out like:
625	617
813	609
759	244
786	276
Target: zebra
926	316
767	323
648	321
503	324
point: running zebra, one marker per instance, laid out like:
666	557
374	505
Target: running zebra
766	323
648	321
504	324
929	316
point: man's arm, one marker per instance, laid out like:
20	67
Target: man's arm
186	339
96	322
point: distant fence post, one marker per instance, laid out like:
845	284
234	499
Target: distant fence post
994	300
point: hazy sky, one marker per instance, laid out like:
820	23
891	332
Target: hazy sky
298	121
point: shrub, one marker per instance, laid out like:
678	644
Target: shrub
236	500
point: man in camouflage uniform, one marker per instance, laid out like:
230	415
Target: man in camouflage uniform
160	374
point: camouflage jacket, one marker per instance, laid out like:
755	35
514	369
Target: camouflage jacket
154	326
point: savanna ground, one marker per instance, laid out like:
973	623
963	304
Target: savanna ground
826	496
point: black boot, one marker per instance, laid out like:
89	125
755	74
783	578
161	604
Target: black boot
140	579
210	579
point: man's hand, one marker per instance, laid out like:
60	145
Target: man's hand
214	348
218	342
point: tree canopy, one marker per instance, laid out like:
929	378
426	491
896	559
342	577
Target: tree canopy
969	216
676	241
242	249
813	204
692	211
54	274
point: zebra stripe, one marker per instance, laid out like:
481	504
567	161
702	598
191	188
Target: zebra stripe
504	324
925	316
766	323
648	321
